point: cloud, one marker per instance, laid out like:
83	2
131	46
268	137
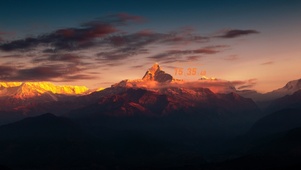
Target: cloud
231	58
145	37
40	73
12	56
183	37
64	39
120	45
65	57
236	33
267	63
119	19
117	55
248	84
193	58
128	45
43	73
125	17
137	66
102	42
73	38
134	40
216	86
209	49
24	44
176	55
78	77
5	71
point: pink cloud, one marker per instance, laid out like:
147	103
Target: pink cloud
231	58
216	86
267	63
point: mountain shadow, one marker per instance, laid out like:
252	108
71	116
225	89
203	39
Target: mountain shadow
282	151
51	142
45	141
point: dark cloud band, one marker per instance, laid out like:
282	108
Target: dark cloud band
61	54
236	33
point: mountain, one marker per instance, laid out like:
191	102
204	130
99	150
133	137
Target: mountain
153	122
201	104
273	142
155	94
156	74
156	78
277	152
190	121
43	141
267	130
288	101
22	97
51	142
26	90
43	127
290	88
277	122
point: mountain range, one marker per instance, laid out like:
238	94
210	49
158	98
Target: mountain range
289	89
24	90
149	123
31	97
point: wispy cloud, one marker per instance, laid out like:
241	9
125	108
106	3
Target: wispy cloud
6	71
43	73
137	66
248	84
231	58
64	39
236	33
216	86
72	53
176	55
64	57
267	63
74	38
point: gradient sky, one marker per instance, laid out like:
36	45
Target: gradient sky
97	43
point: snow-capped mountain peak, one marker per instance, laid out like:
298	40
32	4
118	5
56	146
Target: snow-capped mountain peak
32	89
293	86
289	89
156	74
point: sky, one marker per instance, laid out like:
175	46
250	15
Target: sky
98	43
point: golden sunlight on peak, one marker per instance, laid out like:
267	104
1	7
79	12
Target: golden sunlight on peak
30	89
100	89
10	84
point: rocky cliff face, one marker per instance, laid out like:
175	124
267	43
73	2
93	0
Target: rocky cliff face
156	74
